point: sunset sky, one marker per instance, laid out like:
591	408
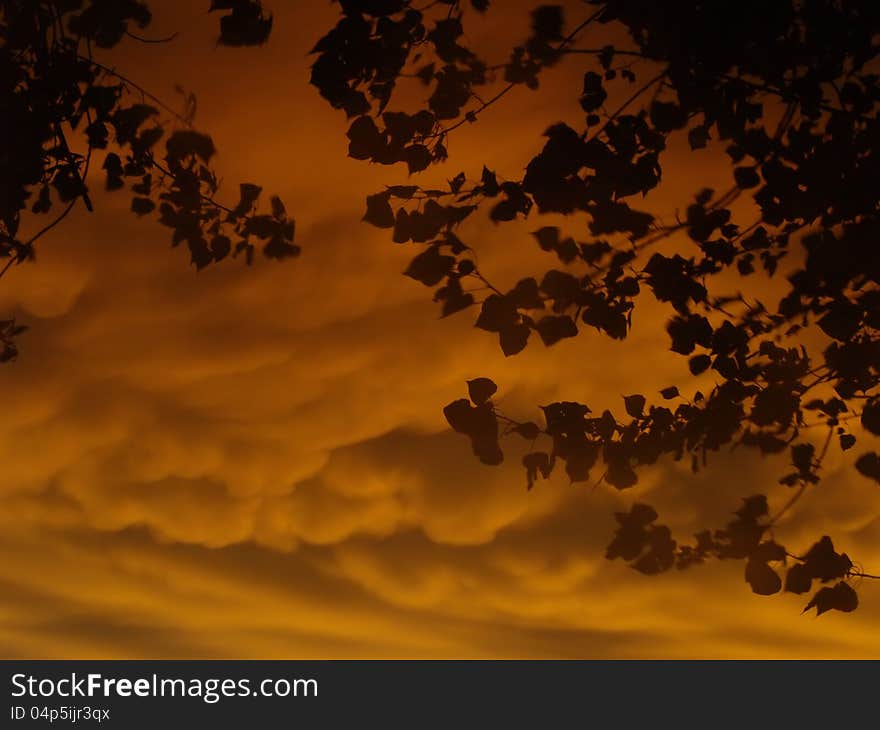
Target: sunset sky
253	462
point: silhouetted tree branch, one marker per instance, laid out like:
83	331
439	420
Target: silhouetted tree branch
54	91
809	161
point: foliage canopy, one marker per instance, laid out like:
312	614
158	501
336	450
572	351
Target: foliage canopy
793	100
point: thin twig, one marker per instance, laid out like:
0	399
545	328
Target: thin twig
205	198
141	39
40	233
629	101
50	226
797	495
471	115
113	72
788	505
860	574
9	263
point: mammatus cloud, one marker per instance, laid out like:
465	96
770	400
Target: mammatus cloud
254	463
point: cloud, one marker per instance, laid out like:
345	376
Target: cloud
254	462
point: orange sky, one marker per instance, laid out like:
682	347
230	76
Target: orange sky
254	462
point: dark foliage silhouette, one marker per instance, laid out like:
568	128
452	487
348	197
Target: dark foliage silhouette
792	94
55	99
792	97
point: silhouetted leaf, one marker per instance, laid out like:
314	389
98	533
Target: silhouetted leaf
536	462
798	579
430	267
746	177
555	328
762	578
802	457
841	321
417	157
632	534
688	332
699	364
868	465
186	142
621	475
246	24
547	21
666	116
871	416
529	430
839	598
593	94
634	404
698	137
514	338
480	390
142	206
278	209
824	563
547	237
220	247
379	212
497	314
480	424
